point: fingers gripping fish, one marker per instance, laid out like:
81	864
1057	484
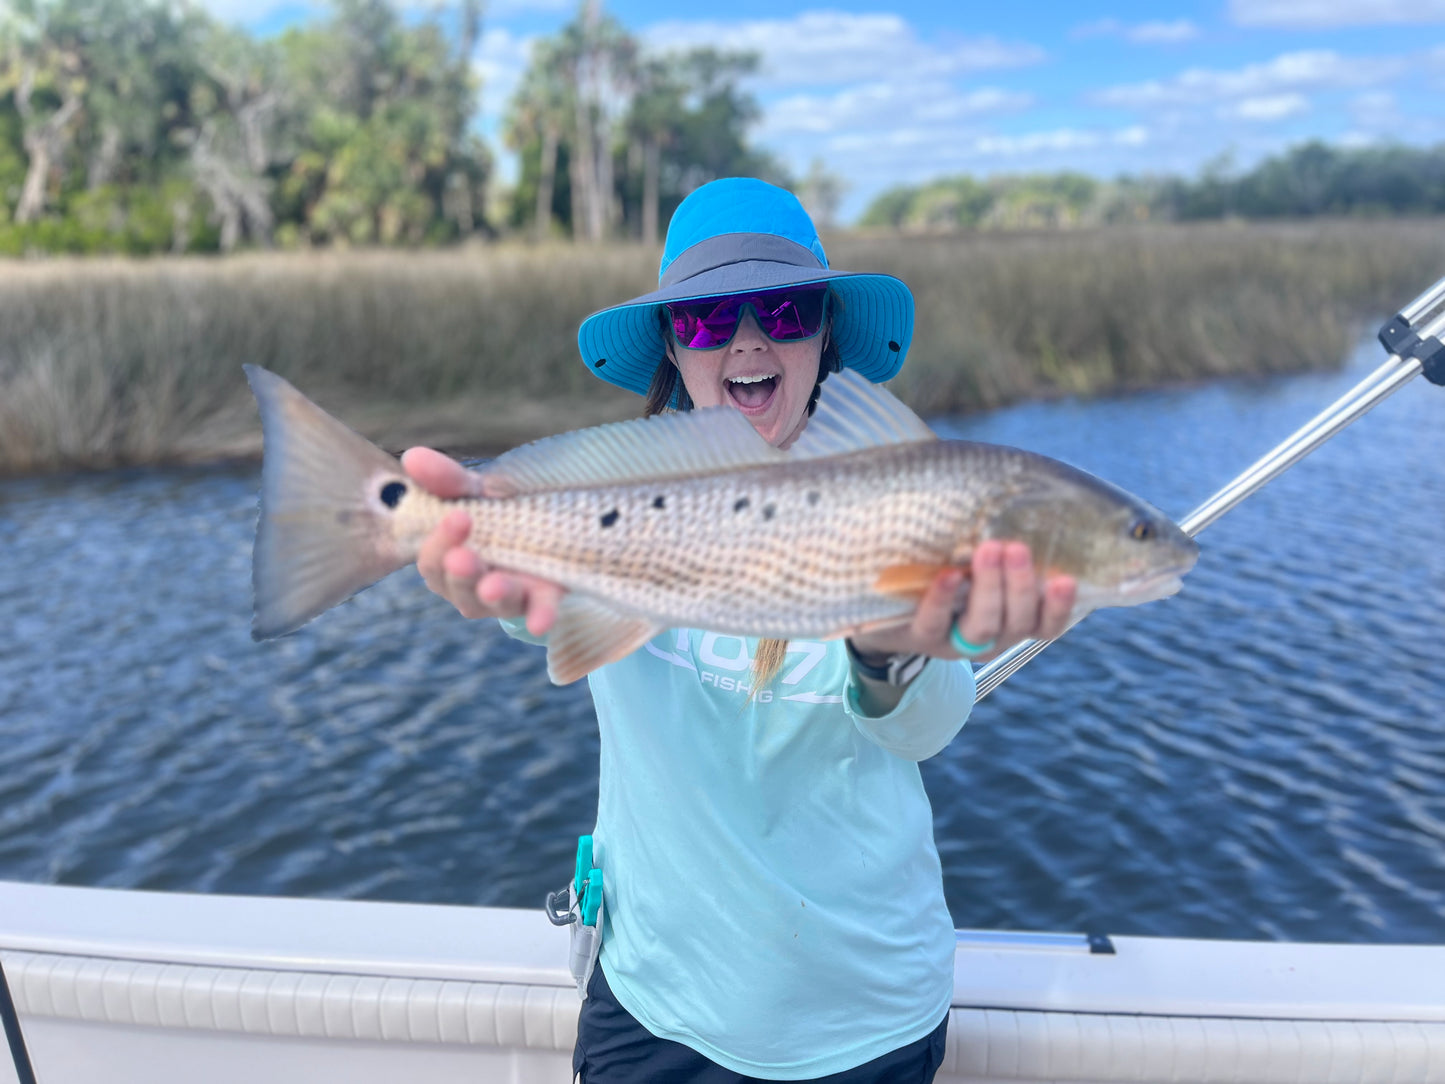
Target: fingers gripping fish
693	520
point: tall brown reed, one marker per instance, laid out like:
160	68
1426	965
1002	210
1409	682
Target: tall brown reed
108	362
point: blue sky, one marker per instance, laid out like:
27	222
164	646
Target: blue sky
891	93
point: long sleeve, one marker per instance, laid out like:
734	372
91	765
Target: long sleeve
932	711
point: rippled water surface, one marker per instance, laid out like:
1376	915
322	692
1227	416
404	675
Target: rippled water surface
1262	756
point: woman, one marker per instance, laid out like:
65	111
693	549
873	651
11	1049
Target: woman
774	901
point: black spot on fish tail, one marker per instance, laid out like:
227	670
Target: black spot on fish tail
658	502
609	518
768	511
392	493
740	504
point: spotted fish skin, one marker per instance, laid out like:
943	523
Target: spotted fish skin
841	534
791	550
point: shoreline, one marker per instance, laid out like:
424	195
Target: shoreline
233	438
110	363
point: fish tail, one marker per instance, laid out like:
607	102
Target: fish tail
328	496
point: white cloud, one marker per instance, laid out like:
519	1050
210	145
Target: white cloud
831	47
1163	32
1292	72
886	105
1059	140
503	8
501	59
1268	108
1314	13
1157	32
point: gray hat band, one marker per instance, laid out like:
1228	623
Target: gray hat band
730	248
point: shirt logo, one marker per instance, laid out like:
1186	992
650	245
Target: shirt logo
723	663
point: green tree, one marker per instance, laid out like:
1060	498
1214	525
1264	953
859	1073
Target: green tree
99	89
537	117
387	153
889	208
597	58
821	191
237	107
45	74
695	115
652	125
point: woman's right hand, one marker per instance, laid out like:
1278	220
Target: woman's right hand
456	573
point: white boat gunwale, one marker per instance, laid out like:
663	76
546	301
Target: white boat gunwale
109	977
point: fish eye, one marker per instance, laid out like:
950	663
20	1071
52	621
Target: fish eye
1141	530
392	493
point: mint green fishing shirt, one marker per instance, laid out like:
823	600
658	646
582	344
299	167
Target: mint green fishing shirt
774	898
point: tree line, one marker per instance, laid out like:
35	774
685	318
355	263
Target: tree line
144	125
147	126
1313	178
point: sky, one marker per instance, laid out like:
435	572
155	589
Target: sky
884	94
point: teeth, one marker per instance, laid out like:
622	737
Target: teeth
750	379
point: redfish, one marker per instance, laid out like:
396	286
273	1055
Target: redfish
693	520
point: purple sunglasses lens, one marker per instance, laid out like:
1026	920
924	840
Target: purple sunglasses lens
796	314
708	324
783	315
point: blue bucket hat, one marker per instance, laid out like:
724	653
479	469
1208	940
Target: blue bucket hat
738	236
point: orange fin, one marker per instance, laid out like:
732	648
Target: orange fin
588	634
876	625
907	581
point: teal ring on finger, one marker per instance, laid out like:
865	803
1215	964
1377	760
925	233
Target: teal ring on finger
966	649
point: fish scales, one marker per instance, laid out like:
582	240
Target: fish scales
844	531
793	549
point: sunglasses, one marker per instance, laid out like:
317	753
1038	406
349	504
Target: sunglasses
784	315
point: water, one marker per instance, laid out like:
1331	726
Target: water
1261	757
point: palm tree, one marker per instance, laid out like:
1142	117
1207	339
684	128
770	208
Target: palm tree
540	109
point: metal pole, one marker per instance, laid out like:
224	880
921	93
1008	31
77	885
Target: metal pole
10	1022
1373	390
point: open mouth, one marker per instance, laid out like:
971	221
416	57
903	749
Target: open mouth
752	393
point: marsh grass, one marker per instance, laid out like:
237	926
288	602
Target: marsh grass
107	362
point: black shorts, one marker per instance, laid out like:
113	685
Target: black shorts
613	1048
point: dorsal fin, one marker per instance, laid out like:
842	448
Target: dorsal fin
665	446
854	414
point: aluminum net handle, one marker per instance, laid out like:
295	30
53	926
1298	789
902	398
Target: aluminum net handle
1389	378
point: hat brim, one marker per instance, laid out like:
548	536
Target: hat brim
872	325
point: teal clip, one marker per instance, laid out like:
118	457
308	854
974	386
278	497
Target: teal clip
584	864
592	897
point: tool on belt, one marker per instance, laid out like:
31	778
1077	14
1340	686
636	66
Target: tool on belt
583	911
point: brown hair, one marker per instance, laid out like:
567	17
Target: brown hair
667	392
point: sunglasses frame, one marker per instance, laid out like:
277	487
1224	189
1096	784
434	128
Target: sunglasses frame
746	301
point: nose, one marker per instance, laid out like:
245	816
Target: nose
749	338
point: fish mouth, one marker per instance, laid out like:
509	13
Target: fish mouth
1154	586
1132	592
752	394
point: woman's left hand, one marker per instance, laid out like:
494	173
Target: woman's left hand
1007	603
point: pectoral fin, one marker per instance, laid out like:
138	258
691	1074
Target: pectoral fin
589	634
910	581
